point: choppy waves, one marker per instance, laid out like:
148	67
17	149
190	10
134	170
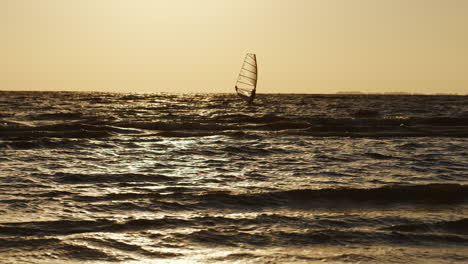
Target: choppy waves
105	115
90	177
170	237
330	127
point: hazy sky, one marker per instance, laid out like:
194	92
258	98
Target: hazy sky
302	46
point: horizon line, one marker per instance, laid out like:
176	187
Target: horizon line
258	93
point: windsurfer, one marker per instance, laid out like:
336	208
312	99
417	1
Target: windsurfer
252	97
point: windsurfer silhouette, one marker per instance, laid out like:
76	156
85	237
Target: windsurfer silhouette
252	97
249	99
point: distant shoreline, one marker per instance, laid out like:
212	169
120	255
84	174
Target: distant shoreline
394	93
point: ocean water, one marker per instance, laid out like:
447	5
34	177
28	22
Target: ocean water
204	178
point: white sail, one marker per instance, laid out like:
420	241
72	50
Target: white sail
247	81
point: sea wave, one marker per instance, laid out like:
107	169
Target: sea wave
455	227
412	194
328	127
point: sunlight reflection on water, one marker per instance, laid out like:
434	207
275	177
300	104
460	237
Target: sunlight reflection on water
102	178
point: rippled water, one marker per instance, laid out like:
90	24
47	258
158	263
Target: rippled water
161	178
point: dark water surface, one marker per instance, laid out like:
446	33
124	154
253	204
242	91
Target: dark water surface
161	178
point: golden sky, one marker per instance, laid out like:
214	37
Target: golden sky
302	46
